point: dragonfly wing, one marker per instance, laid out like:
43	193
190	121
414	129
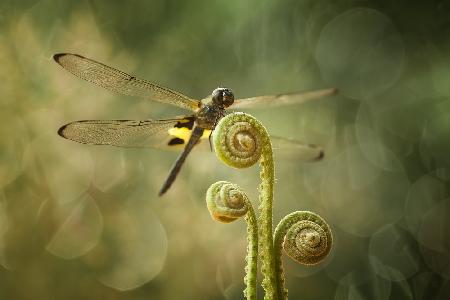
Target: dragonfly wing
282	99
297	150
122	83
171	134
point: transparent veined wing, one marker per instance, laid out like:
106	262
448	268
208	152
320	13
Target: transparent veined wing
296	150
282	99
121	82
170	134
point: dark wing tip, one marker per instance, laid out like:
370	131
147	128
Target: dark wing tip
58	56
320	156
61	130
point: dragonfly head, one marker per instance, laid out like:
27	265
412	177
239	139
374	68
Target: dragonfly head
223	97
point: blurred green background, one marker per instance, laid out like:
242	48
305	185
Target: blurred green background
84	222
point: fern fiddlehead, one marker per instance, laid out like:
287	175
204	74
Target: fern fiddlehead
305	237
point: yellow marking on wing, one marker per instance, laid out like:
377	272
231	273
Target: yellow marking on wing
185	133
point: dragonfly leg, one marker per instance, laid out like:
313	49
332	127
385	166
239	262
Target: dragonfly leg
210	143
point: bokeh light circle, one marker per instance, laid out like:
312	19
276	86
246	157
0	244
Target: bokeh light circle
394	255
80	225
423	194
361	53
434	232
350	288
360	197
13	136
65	166
435	144
133	247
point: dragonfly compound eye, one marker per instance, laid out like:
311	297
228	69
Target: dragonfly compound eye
223	97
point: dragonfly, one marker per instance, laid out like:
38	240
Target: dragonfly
178	133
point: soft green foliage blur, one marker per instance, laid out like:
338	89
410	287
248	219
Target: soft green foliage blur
85	222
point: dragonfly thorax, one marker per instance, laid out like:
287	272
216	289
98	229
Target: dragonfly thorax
222	97
209	115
